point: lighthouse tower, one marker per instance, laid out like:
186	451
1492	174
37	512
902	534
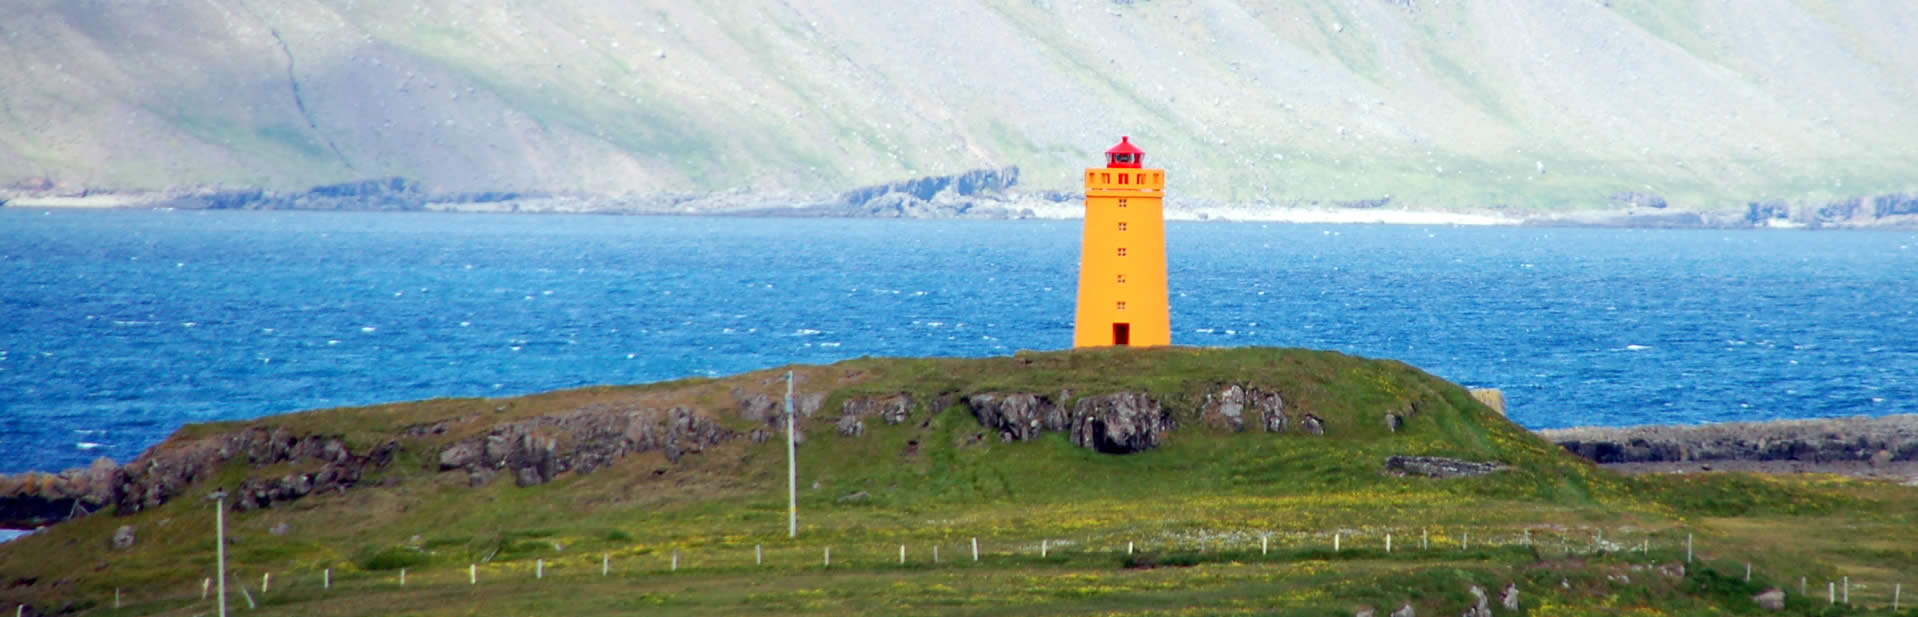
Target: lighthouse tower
1122	290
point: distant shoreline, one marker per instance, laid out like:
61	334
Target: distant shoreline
1024	209
1874	447
987	194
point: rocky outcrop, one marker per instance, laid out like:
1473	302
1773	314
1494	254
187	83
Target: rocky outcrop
160	474
1881	440
1228	408
536	450
1017	416
33	499
1440	467
1119	423
1116	423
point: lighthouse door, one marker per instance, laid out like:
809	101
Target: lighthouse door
1122	334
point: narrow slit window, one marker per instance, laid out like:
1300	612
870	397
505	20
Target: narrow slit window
1105	177
1141	179
1124	179
1122	252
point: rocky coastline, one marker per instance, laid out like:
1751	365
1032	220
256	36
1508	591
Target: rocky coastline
1878	447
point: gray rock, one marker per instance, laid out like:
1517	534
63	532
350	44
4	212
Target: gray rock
1119	423
1017	416
1405	611
1312	425
895	409
1393	422
460	455
280	529
1440	467
1226	408
1271	409
854	497
1365	611
1770	599
123	538
1481	605
851	426
1509	597
528	476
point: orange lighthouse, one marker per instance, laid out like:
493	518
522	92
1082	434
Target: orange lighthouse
1122	290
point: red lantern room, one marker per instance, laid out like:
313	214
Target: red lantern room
1125	155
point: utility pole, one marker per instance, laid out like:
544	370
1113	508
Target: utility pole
219	544
792	466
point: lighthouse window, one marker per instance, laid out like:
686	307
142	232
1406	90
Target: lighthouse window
1125	158
1105	177
1141	178
1122	278
1122	203
1122	252
1121	305
1121	225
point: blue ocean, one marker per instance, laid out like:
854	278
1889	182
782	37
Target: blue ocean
117	327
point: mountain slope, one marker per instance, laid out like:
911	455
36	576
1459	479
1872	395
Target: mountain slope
1530	104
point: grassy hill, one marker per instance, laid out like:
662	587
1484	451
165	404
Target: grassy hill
687	512
1527	105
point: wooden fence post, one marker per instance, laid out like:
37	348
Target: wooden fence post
605	564
1262	542
1043	544
472	574
759	555
676	560
902	554
1688	548
326	578
975	548
1388	543
402	577
539	569
828	556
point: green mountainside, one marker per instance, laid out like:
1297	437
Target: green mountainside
1115	482
1530	105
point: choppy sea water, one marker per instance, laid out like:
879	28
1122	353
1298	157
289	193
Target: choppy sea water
116	327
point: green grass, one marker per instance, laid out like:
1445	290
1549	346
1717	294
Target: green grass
1195	510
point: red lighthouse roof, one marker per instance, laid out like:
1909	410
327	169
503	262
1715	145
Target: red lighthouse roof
1125	155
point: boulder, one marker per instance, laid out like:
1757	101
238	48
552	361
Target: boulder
1481	605
894	409
1365	611
1312	425
1509	597
851	426
1017	416
1119	423
123	538
1271	409
1440	467
1405	611
1770	599
1226	408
